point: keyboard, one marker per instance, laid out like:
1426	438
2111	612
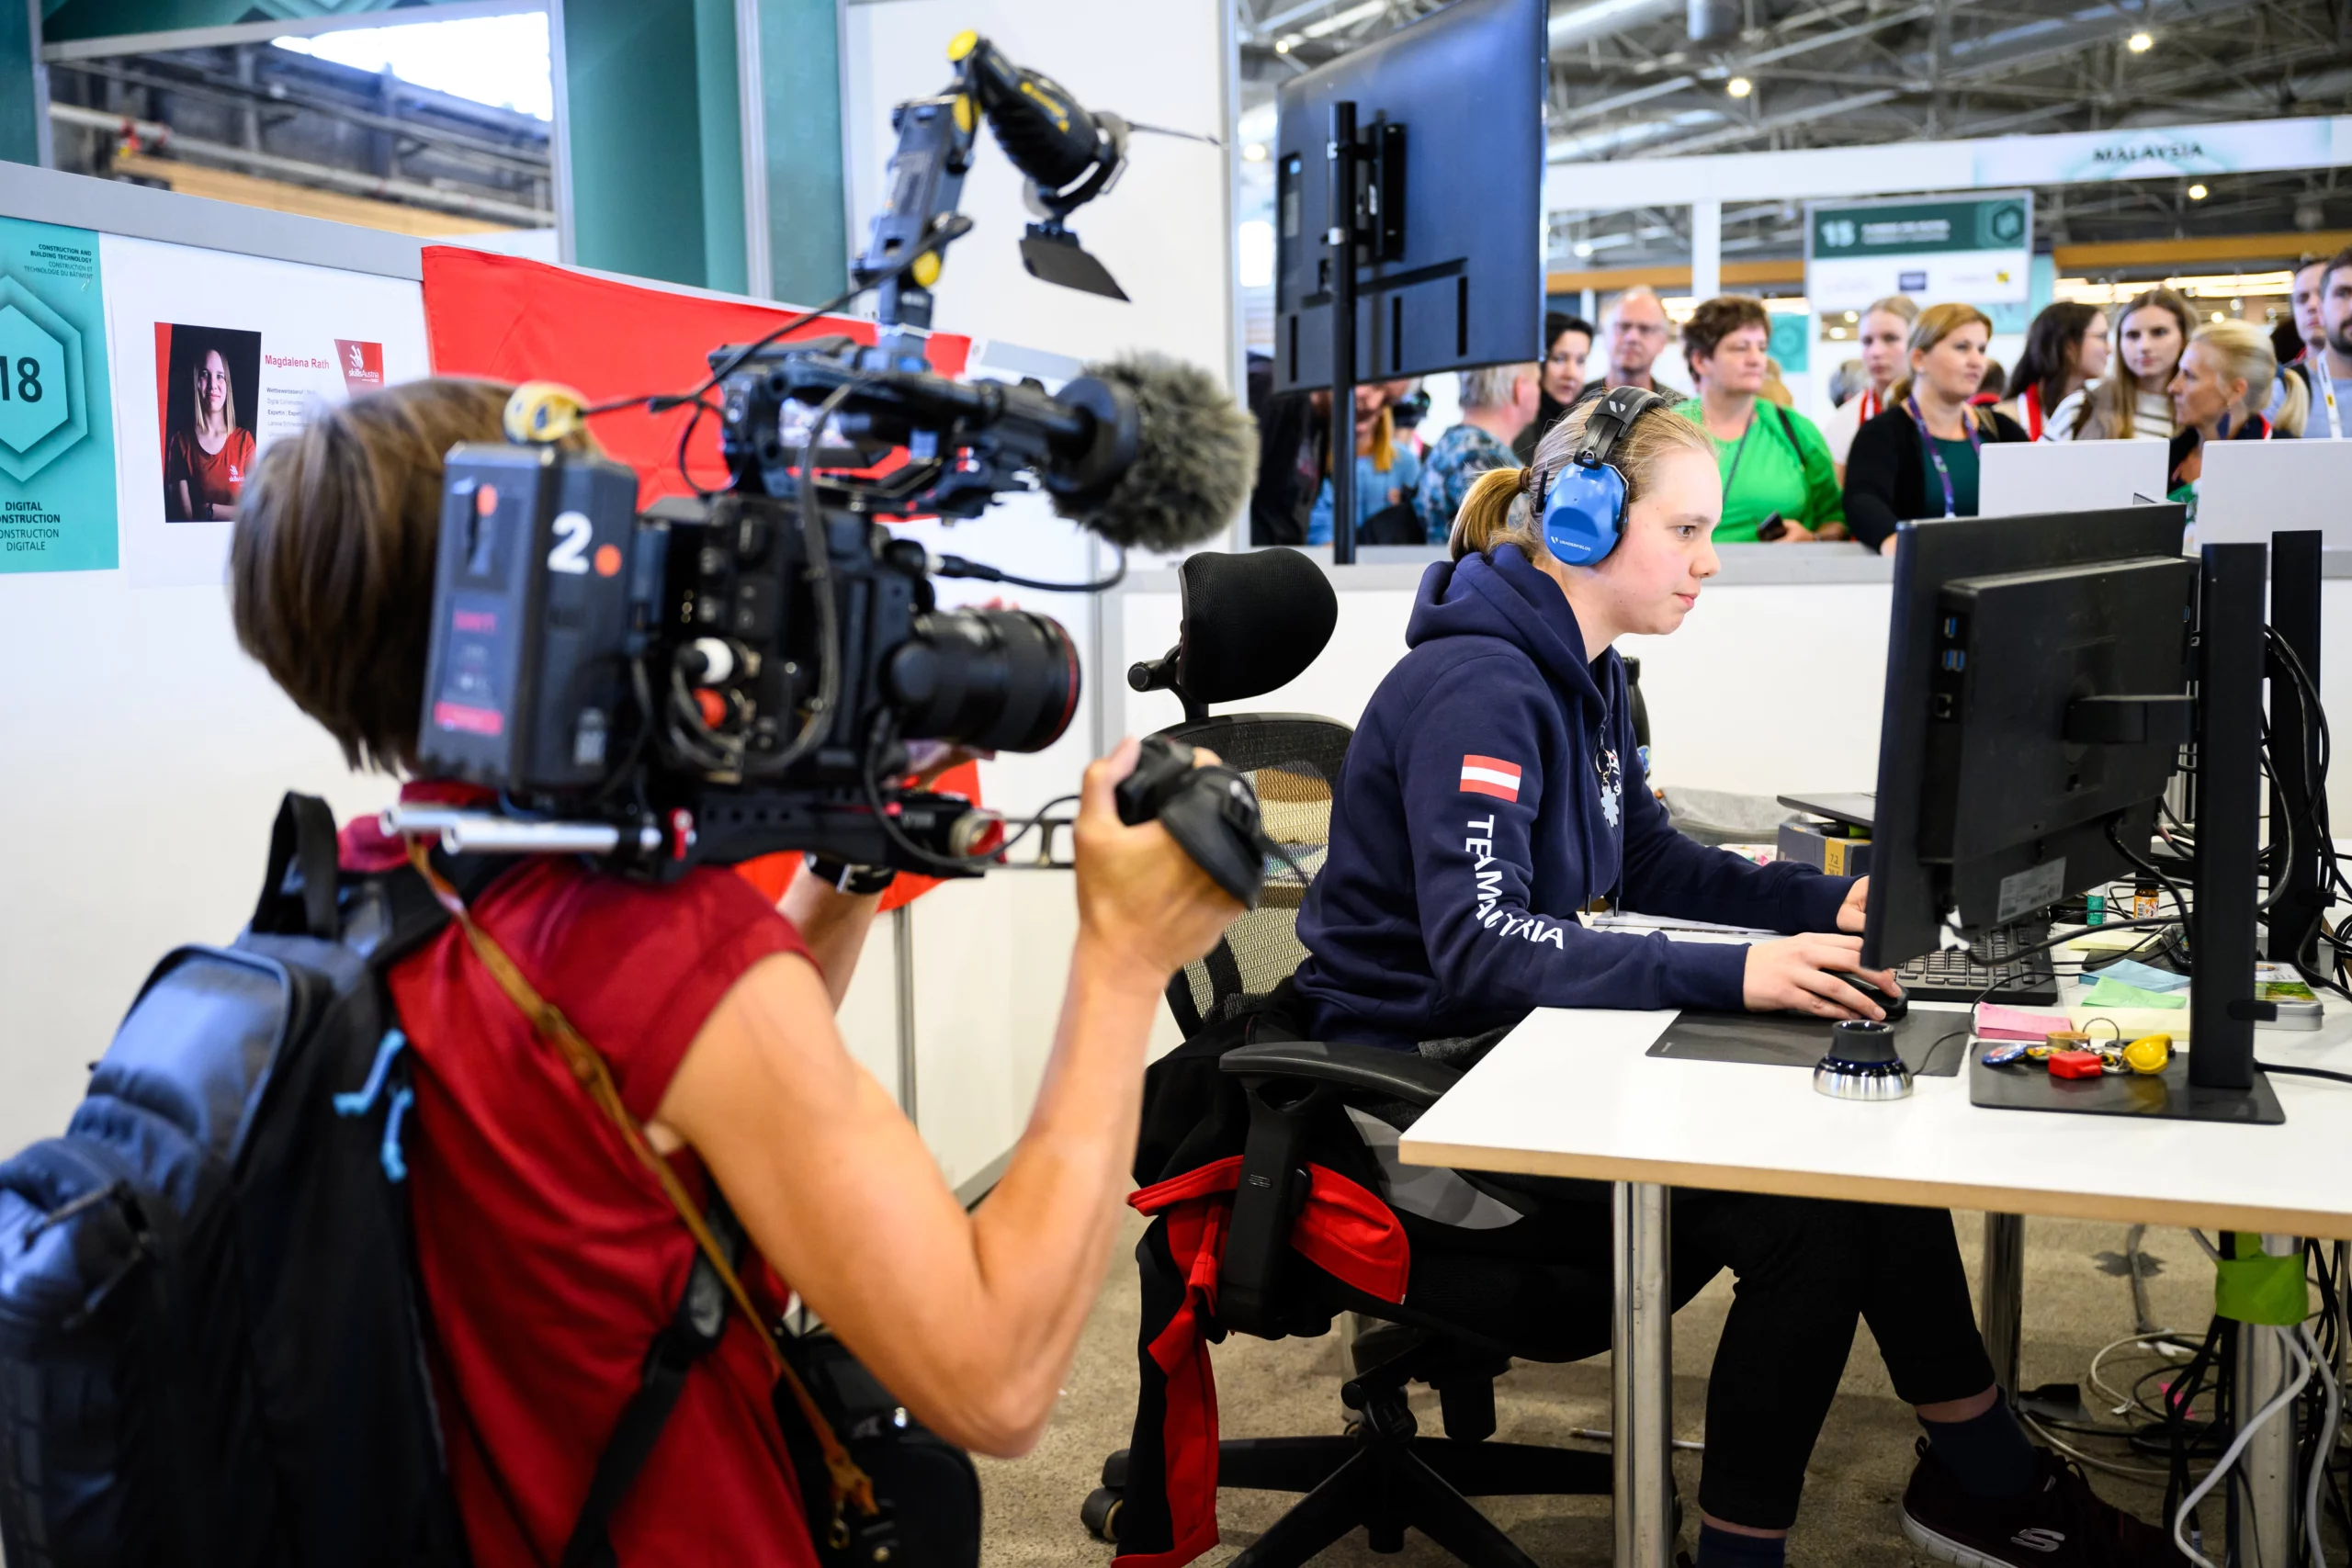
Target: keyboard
1952	976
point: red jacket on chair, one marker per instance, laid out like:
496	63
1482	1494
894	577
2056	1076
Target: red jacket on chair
1343	1229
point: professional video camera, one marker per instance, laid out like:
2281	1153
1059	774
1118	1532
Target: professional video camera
738	673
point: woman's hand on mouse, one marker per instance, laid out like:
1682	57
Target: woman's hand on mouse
1794	975
1852	912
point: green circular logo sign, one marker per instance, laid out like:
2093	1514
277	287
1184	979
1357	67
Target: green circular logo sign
2005	222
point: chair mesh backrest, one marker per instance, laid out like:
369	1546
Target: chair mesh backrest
1294	761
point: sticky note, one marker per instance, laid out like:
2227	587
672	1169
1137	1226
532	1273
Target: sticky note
1994	1022
2116	994
2146	976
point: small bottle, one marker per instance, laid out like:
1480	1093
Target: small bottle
2094	909
2143	901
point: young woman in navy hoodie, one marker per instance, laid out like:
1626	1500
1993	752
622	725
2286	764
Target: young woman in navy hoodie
1493	790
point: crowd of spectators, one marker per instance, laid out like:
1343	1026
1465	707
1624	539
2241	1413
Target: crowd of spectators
1911	414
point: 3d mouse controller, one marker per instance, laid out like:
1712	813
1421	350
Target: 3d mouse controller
1862	1063
1212	812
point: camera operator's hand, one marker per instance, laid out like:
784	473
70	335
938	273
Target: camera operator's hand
1141	899
1795	974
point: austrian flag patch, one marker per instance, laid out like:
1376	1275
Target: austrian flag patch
1490	775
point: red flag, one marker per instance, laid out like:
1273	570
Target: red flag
514	320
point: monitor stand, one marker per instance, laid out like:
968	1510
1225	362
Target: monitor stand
2214	1080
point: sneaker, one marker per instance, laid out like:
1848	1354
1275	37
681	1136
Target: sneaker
2060	1523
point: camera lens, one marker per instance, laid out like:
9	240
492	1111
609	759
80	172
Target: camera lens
1000	680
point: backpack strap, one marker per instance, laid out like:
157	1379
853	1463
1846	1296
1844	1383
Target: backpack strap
1789	429
850	1487
298	892
694	1332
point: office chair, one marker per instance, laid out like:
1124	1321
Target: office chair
1464	1316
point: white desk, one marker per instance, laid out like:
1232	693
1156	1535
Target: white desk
1575	1093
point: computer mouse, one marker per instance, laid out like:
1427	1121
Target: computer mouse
1896	1006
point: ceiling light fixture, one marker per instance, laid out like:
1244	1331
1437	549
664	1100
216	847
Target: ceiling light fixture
2197	192
2139	43
1255	152
1281	45
1739	86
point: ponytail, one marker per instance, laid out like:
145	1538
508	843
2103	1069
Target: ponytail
1492	514
2295	407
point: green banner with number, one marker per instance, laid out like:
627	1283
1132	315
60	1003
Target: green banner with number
57	488
1923	228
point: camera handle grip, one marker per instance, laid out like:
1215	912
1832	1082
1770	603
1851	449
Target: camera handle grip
1211	812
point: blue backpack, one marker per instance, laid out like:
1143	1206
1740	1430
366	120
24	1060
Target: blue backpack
212	1350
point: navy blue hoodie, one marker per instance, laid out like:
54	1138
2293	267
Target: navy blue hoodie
1491	792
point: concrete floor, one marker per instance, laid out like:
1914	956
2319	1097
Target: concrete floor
2076	1300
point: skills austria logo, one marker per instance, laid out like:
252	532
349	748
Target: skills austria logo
362	363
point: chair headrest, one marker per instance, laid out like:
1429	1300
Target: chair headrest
1253	622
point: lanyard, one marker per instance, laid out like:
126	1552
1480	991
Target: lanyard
2030	406
1738	452
2326	388
1975	444
1872	407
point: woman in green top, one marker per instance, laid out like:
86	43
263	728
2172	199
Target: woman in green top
1774	462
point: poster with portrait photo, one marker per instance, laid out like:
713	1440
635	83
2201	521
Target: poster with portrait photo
208	429
216	355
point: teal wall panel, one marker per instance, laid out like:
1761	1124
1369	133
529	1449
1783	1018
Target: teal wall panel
633	88
719	120
801	75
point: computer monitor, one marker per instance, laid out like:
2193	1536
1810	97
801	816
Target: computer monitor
2015	641
1449	271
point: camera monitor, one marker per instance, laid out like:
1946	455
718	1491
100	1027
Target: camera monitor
2036	701
1449	211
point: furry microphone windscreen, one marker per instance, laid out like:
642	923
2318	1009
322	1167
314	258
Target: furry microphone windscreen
1253	622
1197	456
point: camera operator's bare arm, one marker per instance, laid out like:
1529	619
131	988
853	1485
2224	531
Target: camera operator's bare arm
834	924
970	1319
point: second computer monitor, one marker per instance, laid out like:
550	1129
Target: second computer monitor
1991	804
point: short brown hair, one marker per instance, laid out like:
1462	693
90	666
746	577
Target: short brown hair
1718	318
1505	506
332	561
2333	265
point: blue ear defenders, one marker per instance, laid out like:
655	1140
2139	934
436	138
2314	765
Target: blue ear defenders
1585	514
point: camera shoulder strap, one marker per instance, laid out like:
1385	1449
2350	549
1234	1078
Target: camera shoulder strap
850	1485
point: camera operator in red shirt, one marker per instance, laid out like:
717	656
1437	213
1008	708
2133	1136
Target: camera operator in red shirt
548	1257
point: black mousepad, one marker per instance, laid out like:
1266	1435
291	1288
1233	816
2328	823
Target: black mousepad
2169	1095
1779	1040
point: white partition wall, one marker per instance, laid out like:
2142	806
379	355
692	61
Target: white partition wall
141	753
1773	684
